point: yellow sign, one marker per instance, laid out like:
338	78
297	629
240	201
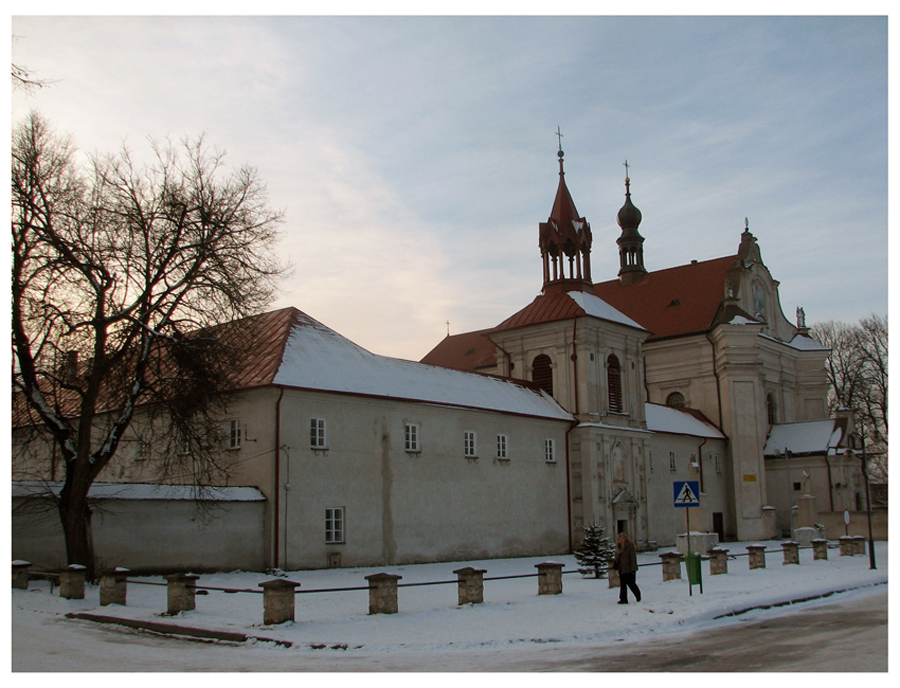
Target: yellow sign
749	477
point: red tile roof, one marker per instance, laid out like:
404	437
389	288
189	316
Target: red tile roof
673	302
669	303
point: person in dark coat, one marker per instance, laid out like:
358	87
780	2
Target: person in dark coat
625	562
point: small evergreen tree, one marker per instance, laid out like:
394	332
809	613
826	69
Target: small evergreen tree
595	552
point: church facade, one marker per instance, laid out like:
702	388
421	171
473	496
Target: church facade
586	406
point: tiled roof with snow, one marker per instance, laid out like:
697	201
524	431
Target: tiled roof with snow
805	437
598	308
144	491
317	357
680	421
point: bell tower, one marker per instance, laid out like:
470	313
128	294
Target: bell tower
631	243
565	243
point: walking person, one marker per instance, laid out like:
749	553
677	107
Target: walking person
625	562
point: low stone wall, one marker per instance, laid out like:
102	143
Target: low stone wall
148	534
834	524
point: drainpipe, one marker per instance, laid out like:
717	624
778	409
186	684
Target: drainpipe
830	488
573	425
575	363
277	507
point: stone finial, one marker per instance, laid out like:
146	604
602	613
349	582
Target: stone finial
757	556
671	565
114	587
470	585
181	590
71	582
20	574
383	593
278	600
718	561
549	578
791	552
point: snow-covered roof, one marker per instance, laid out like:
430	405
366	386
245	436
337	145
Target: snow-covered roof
804	343
144	491
598	308
317	357
805	437
677	421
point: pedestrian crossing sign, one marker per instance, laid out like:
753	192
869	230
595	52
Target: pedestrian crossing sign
687	492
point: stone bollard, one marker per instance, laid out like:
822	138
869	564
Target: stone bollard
383	593
549	578
278	600
848	548
181	589
71	582
859	545
114	587
671	565
470	585
718	561
613	575
820	549
757	556
791	552
20	574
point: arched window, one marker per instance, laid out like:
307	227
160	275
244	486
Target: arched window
614	380
771	411
542	373
675	399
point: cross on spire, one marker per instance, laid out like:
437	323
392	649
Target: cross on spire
626	169
559	136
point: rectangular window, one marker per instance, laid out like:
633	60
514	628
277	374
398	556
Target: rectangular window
142	450
411	434
317	438
671	461
501	447
234	434
718	464
550	451
470	445
334	525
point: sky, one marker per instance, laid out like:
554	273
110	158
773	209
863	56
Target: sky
414	157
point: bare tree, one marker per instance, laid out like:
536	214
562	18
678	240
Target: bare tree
857	370
120	274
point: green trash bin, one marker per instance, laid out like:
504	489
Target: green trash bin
693	567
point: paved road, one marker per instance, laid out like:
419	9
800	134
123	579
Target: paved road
847	635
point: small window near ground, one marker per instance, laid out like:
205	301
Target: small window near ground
411	438
471	448
672	465
334	525
235	434
317	437
501	447
550	451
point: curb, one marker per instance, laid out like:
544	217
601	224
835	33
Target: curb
174	629
797	600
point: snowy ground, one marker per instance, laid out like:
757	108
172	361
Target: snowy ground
513	618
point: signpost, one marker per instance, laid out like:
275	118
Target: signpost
846	521
687	494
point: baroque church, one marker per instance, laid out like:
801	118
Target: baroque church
586	406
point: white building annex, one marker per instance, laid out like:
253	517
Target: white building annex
582	407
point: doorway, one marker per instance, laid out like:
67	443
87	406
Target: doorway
719	525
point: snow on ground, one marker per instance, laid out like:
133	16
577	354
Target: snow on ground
513	617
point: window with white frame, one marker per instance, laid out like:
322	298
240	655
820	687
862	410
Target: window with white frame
235	434
550	450
718	464
471	448
501	448
411	438
672	461
317	437
334	525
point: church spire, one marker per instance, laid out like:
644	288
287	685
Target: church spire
565	240
631	243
